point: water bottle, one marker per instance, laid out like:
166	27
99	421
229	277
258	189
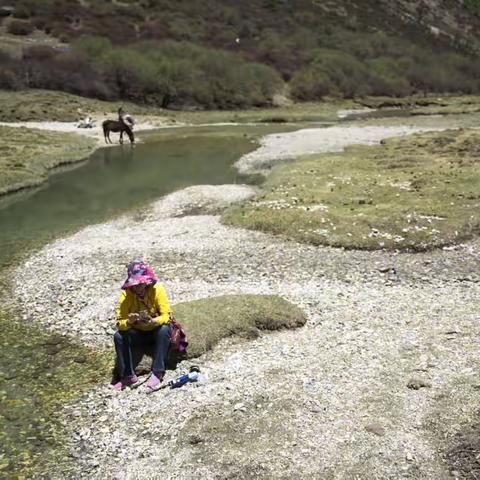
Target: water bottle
183	379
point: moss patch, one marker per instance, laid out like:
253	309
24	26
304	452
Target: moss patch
209	320
26	155
39	373
411	193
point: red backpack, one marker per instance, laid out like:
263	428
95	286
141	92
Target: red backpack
178	338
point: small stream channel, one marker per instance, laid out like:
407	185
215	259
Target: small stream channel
39	372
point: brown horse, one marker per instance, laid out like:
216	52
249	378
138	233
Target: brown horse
117	126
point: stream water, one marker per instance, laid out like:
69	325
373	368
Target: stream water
115	180
38	371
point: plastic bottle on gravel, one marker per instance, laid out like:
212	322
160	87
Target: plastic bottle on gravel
183	379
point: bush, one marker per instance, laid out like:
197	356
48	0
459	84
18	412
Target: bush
331	72
22	11
20	27
445	73
308	85
388	77
38	53
9	80
179	73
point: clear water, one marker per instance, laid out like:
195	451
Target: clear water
118	179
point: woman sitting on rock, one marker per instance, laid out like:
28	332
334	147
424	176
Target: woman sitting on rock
143	316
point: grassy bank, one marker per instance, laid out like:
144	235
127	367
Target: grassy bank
27	155
46	105
41	372
417	192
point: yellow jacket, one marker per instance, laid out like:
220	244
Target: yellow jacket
155	303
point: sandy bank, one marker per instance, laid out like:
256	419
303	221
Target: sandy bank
280	147
71	127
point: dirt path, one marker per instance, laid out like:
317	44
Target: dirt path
329	401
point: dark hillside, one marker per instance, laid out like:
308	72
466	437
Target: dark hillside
346	48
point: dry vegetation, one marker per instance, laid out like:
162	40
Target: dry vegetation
415	193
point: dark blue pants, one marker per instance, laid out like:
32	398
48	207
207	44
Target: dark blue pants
124	341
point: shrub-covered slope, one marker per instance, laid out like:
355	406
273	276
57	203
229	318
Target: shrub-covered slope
224	54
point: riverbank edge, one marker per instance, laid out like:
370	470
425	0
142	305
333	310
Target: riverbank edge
97	142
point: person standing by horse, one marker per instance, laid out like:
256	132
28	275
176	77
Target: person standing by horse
119	125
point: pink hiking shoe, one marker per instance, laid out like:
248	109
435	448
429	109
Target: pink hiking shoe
126	382
155	380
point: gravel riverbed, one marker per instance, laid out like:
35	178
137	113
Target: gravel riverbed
375	386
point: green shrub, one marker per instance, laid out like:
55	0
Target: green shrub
22	11
20	27
166	73
445	73
309	85
473	6
332	72
388	78
9	79
38	53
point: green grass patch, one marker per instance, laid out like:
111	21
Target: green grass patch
26	155
298	112
209	320
411	193
448	105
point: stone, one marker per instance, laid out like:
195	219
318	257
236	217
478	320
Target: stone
418	383
239	406
384	269
375	428
195	439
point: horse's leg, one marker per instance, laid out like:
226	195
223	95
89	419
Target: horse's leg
121	137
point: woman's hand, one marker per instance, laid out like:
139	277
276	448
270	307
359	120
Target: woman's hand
133	318
144	317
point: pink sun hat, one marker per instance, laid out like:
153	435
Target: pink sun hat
139	272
